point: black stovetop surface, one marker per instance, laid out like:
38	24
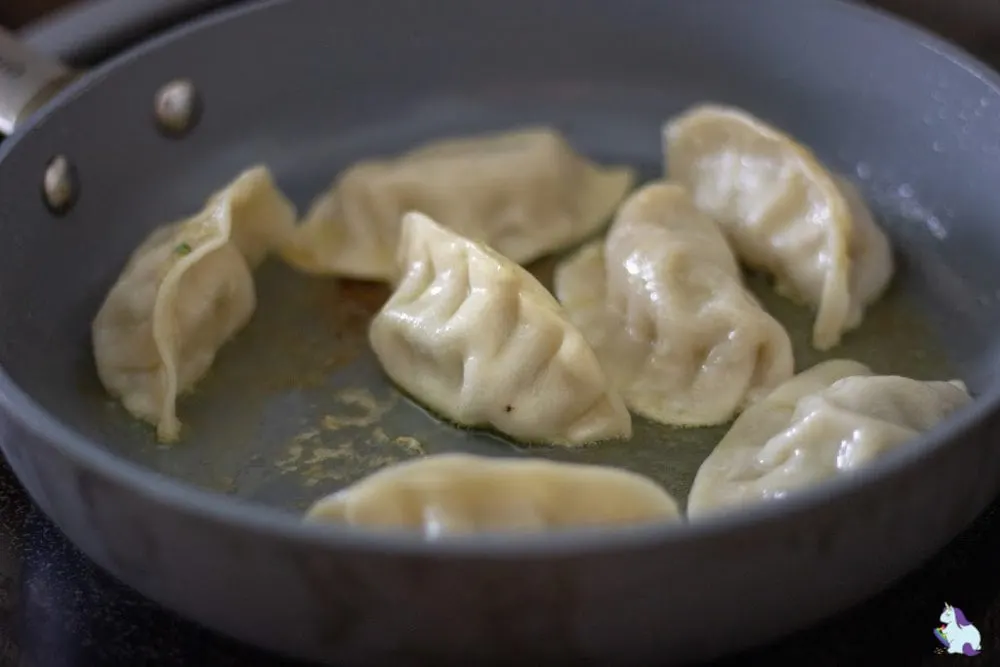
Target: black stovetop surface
59	610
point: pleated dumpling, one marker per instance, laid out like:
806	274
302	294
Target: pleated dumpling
783	213
183	293
478	340
454	494
525	193
833	418
662	303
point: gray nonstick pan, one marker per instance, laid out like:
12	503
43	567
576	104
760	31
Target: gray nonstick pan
296	407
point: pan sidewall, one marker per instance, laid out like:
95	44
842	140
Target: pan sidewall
358	606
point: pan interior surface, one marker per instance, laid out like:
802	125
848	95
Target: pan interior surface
296	405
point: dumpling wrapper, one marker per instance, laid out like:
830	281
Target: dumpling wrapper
783	213
831	419
478	340
525	193
183	293
454	494
662	303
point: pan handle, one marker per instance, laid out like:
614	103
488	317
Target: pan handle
27	80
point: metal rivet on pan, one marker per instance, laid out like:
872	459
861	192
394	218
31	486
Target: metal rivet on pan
177	107
60	185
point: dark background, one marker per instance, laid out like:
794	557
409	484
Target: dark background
973	23
15	13
57	610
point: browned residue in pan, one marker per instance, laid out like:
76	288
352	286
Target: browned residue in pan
348	443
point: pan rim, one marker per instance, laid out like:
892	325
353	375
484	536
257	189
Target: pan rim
186	498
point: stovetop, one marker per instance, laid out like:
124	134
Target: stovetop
59	610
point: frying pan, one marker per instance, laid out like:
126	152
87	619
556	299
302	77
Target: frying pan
296	407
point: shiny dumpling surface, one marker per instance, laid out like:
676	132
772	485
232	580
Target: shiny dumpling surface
184	292
525	193
662	302
830	419
783	213
453	494
478	340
